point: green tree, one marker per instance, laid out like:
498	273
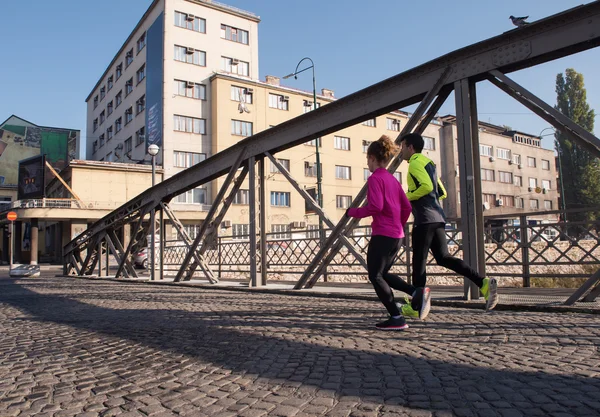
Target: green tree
581	169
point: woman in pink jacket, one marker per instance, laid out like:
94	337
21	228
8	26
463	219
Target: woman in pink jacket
388	205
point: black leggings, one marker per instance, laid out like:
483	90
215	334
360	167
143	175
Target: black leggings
380	258
433	236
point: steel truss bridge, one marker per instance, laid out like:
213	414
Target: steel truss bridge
430	85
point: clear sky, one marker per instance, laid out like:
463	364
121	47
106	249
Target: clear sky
55	51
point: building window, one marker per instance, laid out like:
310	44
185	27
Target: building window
140	104
235	66
141	74
95	146
141	42
193	196
429	143
393	124
102	93
545	165
343	201
507	200
485	150
109	133
502	153
314	231
516	158
398	176
95	124
341	142
95	102
366	173
189	124
190	89
109	157
505	177
128	144
489	199
240	128
240	230
191	22
101	138
518	180
241	93
532	182
487	174
140	136
234	34
279	102
531	162
280	199
284	162
102	117
128	86
281	231
308	106
110	83
128	58
119	98
314	142
109	108
310	170
190	55
128	115
547	205
242	197
534	204
119	71
546	184
187	159
118	124
365	145
519	202
342	172
370	123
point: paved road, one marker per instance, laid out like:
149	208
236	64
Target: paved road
81	348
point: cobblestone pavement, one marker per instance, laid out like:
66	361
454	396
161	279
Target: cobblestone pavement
81	348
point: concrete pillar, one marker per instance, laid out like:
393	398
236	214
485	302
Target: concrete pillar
18	242
34	241
5	242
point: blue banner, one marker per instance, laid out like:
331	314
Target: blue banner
154	83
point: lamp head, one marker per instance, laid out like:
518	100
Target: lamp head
153	149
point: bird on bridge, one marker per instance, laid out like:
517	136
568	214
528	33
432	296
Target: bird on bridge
519	21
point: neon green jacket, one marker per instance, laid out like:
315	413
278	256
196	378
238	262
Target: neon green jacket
425	190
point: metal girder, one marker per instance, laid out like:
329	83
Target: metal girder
593	294
110	246
551	38
262	198
561	122
252	218
580	292
316	207
92	256
209	217
121	255
415	120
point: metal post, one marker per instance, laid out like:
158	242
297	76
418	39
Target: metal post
252	217
319	173
263	220
99	258
11	245
563	201
161	233
467	181
152	225
525	250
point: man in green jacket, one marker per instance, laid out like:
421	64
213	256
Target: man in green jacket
429	232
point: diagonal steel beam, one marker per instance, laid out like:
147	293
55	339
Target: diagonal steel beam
561	122
75	264
115	252
132	242
209	216
322	258
316	207
92	256
593	280
593	294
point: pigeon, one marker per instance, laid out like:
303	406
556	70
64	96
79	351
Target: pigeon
519	21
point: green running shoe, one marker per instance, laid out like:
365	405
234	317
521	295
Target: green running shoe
407	310
489	289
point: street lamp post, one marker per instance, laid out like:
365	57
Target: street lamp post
153	151
317	155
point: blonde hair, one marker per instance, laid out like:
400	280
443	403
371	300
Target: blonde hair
383	149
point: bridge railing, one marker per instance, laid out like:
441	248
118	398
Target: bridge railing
518	248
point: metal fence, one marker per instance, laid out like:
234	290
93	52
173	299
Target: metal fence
517	247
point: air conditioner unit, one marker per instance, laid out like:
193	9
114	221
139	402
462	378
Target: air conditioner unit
298	225
190	17
235	61
225	224
520	166
189	84
119	146
510	162
486	205
308	103
286	98
189	51
530	189
492	159
249	90
499	202
544	190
